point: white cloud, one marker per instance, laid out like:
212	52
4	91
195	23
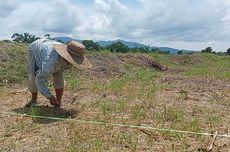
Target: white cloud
180	23
6	7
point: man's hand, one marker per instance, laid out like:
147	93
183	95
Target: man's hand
54	102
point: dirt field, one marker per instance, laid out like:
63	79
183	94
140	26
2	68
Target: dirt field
124	89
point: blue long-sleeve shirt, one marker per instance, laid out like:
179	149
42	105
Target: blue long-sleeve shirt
44	61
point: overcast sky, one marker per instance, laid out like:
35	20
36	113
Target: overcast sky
182	24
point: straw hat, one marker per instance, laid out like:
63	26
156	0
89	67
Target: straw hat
73	52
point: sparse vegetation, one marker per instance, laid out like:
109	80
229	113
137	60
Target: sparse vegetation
193	95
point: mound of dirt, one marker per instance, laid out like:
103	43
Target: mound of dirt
104	66
3	57
6	49
151	63
113	65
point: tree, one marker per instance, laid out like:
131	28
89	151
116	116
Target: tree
17	37
228	51
118	47
155	50
180	52
207	50
47	35
24	38
145	49
90	45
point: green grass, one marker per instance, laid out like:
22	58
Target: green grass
73	82
213	66
183	94
135	98
213	120
200	64
138	112
15	69
127	139
170	114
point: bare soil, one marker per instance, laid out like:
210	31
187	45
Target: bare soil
27	134
203	99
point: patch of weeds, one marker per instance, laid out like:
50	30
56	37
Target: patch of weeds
9	147
35	112
213	66
116	86
226	103
213	120
94	145
141	92
183	141
132	91
138	112
73	83
15	69
127	140
151	92
105	107
183	94
121	106
161	58
191	125
108	107
143	76
196	109
83	140
170	114
25	126
8	131
97	86
9	75
50	146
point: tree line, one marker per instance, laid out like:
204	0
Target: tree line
91	45
114	47
210	50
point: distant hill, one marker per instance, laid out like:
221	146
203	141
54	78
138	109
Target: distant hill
171	50
136	45
128	43
65	39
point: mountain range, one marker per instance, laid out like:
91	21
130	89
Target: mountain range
128	43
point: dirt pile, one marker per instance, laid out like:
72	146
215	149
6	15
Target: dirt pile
114	65
11	50
3	57
151	63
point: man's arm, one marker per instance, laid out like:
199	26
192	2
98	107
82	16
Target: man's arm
42	84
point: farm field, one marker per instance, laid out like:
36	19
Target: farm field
175	92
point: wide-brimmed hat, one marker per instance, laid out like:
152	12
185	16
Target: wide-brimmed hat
73	52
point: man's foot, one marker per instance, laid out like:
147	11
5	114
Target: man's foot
31	103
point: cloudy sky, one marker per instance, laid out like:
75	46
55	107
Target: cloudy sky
182	24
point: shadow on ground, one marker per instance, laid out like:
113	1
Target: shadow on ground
46	111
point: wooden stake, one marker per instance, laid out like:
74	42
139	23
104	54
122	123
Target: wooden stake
213	141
